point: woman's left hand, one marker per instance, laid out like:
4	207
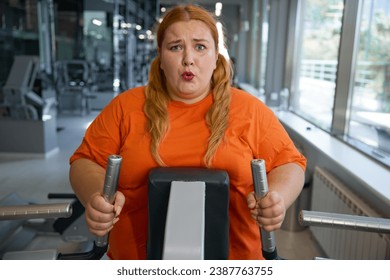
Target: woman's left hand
268	211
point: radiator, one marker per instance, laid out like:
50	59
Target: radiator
331	195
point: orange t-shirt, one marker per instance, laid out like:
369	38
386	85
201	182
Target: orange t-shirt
253	132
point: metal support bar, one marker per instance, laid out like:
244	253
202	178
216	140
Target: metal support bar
33	211
344	221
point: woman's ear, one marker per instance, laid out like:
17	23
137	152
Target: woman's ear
216	61
159	59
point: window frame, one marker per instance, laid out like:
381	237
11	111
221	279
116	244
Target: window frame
347	59
349	40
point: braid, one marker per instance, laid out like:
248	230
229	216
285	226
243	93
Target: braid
155	109
218	116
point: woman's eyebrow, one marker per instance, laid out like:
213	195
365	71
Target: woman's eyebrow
175	41
200	40
197	40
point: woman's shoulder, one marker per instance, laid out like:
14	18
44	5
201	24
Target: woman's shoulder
127	102
133	97
136	93
242	98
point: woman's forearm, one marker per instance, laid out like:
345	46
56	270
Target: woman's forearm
287	180
86	178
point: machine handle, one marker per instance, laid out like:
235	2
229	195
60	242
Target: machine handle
260	183
33	211
110	187
344	221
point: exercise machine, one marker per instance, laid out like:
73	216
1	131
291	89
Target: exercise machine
75	83
20	92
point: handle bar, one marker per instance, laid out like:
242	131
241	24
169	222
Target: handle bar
110	188
33	211
260	183
344	221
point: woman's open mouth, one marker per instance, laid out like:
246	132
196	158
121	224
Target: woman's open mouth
188	76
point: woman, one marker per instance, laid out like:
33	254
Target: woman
187	115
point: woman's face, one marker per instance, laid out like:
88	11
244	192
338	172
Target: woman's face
188	58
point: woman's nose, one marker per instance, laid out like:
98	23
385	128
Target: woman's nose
188	58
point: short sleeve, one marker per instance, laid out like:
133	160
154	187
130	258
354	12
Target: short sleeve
272	142
103	136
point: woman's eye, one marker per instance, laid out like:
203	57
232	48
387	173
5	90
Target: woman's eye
175	48
200	47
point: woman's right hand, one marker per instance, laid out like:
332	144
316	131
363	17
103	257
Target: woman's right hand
100	215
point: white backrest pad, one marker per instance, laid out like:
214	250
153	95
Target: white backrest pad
185	223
